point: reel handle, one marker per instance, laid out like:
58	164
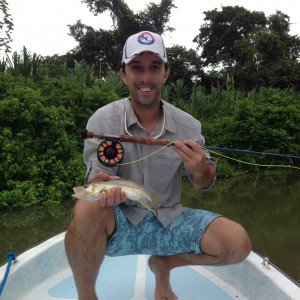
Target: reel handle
144	140
86	134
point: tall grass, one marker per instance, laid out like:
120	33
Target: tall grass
24	64
200	104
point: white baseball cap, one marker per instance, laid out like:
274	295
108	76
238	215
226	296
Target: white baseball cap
144	41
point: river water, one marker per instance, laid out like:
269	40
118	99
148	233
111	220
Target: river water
268	206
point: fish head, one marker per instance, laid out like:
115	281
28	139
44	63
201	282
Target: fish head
89	192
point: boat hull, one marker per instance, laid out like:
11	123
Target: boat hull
43	273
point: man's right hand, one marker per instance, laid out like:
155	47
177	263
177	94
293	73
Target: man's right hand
114	196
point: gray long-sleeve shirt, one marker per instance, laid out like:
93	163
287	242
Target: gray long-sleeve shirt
160	173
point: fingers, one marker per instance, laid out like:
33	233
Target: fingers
187	149
114	196
101	176
192	154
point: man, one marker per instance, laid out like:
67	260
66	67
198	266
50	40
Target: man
103	227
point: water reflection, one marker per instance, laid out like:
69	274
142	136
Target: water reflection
267	206
20	230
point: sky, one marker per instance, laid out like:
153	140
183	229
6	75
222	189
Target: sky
42	25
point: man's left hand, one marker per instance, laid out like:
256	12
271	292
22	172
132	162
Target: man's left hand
194	160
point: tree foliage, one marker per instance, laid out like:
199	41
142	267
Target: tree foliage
102	49
6	26
41	123
267	120
185	64
36	153
221	30
253	101
40	128
252	47
154	18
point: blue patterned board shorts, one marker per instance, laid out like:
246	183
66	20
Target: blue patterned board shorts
151	237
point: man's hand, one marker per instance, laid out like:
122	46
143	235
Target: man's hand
194	160
114	196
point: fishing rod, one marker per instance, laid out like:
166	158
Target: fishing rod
127	138
111	152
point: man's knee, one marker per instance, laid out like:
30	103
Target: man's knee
90	214
241	247
84	209
238	244
228	240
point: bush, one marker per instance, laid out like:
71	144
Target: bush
40	160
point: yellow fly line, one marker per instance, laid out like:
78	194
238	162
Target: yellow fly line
216	153
249	163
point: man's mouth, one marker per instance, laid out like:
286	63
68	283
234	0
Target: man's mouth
145	89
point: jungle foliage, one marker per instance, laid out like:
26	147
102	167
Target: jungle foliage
6	27
41	124
40	140
257	50
251	102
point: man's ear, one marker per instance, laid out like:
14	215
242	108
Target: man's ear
167	73
123	75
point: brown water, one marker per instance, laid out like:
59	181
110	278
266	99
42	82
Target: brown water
267	206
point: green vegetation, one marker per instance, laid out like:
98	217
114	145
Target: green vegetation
6	26
247	97
40	124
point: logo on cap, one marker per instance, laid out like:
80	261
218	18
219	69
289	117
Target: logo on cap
146	38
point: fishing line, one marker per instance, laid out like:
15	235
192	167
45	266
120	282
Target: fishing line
140	159
214	152
249	163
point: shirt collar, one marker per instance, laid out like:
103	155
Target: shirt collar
170	124
132	119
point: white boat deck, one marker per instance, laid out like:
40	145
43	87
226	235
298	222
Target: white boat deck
42	273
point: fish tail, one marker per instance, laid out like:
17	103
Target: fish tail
145	204
155	199
153	207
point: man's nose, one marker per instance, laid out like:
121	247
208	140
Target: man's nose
146	76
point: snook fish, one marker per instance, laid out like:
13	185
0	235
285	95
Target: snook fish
133	191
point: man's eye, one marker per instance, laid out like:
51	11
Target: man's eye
156	67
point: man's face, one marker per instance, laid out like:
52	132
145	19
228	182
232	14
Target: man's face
145	76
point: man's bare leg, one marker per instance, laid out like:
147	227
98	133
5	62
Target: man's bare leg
85	244
224	242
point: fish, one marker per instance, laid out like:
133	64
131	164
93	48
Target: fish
133	191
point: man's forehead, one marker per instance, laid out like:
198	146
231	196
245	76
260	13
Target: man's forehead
148	55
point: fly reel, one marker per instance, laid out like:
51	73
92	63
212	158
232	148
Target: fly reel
110	153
